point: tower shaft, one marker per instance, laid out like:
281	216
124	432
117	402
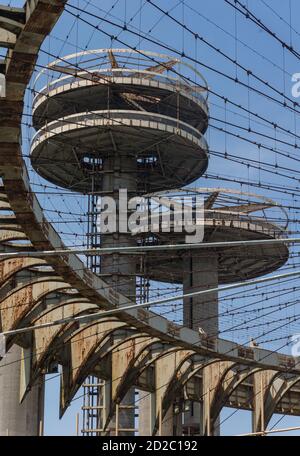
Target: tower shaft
200	273
119	272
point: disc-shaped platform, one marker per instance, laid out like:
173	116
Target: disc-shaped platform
168	152
222	223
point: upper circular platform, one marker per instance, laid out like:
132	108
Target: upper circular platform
120	79
228	217
117	102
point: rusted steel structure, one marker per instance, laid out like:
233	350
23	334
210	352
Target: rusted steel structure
172	364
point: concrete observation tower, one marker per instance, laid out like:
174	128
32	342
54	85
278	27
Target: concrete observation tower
118	119
228	216
135	120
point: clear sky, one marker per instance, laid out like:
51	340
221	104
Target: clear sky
217	22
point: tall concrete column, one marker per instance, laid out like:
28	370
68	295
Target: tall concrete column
200	273
120	269
17	419
146	413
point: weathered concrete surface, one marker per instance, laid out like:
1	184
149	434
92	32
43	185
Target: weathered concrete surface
19	419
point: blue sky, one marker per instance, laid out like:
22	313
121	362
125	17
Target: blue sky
217	23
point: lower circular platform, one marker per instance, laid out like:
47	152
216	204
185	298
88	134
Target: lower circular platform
227	218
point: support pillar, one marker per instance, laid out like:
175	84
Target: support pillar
170	424
119	270
261	386
146	413
200	272
17	419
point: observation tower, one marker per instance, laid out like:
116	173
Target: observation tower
114	119
119	119
227	216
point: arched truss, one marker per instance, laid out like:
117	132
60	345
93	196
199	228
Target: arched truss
274	393
136	348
